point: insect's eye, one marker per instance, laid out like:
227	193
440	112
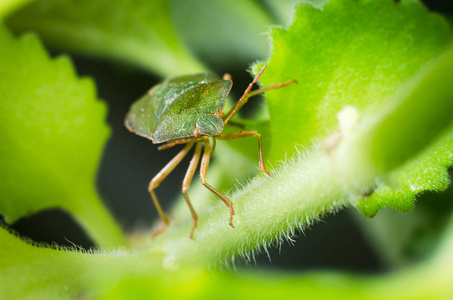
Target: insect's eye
210	124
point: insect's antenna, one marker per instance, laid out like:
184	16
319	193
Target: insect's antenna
244	97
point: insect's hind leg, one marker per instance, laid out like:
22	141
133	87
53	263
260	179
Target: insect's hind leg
244	134
186	184
158	179
203	174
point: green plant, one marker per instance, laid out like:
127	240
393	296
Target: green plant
372	112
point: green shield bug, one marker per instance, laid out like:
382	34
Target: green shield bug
189	110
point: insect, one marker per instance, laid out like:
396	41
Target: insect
189	110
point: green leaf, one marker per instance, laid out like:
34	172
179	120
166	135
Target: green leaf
359	53
427	112
423	120
350	53
138	32
53	133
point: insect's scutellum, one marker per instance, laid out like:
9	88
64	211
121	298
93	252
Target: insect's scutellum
157	116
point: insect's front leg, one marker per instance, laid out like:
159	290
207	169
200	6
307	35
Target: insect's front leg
159	178
174	143
180	141
203	174
248	93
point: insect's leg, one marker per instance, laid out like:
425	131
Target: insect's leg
186	184
226	76
166	146
243	98
203	174
244	134
213	146
178	142
158	179
247	94
268	88
172	144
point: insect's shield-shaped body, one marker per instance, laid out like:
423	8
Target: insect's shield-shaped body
182	107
